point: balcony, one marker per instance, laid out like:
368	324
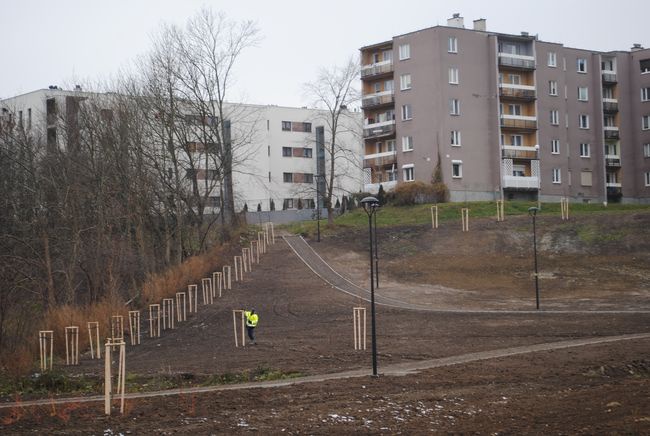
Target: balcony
519	122
380	159
373	188
612	160
378	99
377	69
520	62
613	185
609	77
518	92
610	105
520	182
377	130
611	132
519	152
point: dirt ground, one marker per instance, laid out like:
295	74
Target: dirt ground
305	328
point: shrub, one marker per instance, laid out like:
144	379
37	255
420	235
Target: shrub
259	207
272	205
381	195
408	194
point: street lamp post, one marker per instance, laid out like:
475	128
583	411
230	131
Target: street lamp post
370	206
532	211
376	248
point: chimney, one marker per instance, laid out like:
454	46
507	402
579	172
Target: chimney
456	21
524	33
480	24
636	47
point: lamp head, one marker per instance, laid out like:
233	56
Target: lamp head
370	204
532	211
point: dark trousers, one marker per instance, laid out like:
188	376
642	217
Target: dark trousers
251	332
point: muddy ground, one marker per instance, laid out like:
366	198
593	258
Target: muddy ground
589	263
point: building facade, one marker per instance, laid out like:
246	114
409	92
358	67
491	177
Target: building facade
507	116
276	159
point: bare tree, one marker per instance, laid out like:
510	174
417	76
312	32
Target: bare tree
334	91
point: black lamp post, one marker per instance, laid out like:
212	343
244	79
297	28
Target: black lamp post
532	211
370	206
376	206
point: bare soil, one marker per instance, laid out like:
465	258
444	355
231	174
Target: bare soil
595	262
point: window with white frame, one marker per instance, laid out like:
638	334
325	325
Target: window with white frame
646	150
409	172
514	109
582	65
456	169
608	92
557	175
647	178
519	170
583	121
390	145
514	79
454	106
388	85
585	150
404	52
407	114
645	122
552	87
407	143
555	146
555	117
645	94
404	82
552	59
517	140
455	138
452	44
453	75
612	149
609	121
583	93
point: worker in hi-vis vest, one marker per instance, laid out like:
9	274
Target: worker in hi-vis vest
251	323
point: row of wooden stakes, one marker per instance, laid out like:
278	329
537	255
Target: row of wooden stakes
161	316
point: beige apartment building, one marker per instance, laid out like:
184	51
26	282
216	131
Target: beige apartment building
507	116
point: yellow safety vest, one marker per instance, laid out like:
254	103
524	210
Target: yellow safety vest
251	319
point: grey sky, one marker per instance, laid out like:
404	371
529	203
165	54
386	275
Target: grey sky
60	42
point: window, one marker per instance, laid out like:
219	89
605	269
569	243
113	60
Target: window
388	55
645	122
583	121
29	118
645	65
405	82
515	79
454	106
390	145
455	138
404	52
608	92
645	94
407	143
308	178
514	109
557	175
287	177
611	150
452	44
646	150
377	87
286	151
453	75
609	121
409	173
552	87
555	117
582	65
552	59
585	178
388	85
406	112
295	126
583	93
519	170
647	178
555	146
517	140
456	169
287	203
286	126
585	150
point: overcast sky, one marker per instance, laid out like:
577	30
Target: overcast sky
57	42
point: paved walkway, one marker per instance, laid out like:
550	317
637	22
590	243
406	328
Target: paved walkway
323	270
398	369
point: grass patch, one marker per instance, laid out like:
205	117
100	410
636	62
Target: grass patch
593	235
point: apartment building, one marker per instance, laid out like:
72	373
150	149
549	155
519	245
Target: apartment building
278	151
507	116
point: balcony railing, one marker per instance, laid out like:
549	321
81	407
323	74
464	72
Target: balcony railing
376	69
611	132
613	161
609	77
520	182
379	129
521	92
519	152
377	99
519	122
517	61
610	105
380	159
613	185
